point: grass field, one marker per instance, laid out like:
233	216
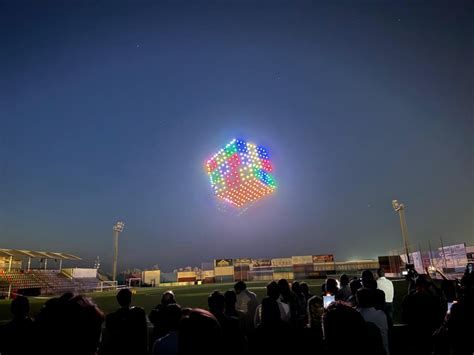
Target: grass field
187	296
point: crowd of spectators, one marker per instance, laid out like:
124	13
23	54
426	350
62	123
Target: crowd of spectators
289	319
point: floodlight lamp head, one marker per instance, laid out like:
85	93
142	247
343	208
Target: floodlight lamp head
119	226
397	206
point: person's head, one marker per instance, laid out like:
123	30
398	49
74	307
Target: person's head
368	279
316	310
167	298
216	302
124	297
20	307
296	287
199	333
355	285
365	298
273	290
240	286
316	301
422	283
53	309
284	286
81	325
381	272
171	317
270	311
341	322
344	280
331	286
230	298
304	288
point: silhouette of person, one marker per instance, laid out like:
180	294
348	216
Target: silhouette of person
315	311
230	326
386	286
330	287
301	302
246	302
155	316
272	336
354	286
126	328
305	290
368	281
423	313
344	292
230	298
16	337
168	344
288	297
343	327
273	291
366	303
69	325
199	333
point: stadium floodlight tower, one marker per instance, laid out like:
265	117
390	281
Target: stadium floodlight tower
118	228
400	208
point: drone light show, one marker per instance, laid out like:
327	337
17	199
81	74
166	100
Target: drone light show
240	173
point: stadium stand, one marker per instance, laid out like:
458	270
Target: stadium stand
16	276
54	281
49	282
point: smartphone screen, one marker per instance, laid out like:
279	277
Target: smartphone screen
327	300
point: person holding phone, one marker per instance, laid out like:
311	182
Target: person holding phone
328	299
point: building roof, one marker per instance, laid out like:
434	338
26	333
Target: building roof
17	253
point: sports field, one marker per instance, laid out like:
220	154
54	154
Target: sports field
187	296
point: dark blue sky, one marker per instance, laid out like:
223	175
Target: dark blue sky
108	110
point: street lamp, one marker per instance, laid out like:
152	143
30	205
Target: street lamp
400	208
118	228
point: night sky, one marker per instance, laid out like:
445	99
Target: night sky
109	109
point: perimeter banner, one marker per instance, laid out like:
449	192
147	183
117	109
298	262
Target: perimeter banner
325	258
300	260
243	261
454	256
282	262
262	262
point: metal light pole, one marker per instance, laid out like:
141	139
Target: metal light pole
118	228
400	208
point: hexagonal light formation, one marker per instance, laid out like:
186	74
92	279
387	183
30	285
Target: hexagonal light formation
240	173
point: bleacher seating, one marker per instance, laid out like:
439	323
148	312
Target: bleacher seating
55	281
48	281
3	288
20	280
